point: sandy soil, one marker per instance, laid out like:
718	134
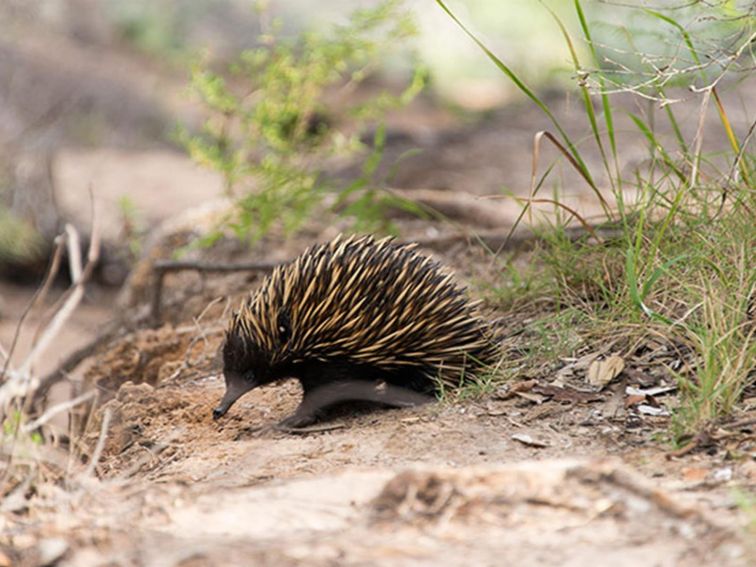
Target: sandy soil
499	480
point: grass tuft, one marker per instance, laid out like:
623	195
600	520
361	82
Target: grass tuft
680	266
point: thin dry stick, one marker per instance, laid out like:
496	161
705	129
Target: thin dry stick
53	271
587	227
493	240
66	310
736	163
747	422
202	333
48	285
74	252
311	429
56	409
100	442
22	384
699	139
41	292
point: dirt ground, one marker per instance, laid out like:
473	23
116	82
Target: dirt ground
524	475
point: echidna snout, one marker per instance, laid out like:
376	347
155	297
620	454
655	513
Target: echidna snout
236	386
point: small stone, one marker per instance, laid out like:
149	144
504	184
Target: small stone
722	475
51	550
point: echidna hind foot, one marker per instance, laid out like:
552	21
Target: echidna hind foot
316	401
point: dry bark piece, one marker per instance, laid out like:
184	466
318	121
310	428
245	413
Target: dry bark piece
566	394
634	399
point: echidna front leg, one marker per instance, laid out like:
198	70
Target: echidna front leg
313	405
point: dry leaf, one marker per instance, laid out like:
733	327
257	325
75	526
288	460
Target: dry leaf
694	474
601	372
509	390
634	399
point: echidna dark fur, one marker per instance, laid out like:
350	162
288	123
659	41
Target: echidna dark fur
373	314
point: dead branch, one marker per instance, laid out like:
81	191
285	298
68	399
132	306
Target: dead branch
163	267
22	383
38	297
100	442
74	253
499	240
71	302
460	206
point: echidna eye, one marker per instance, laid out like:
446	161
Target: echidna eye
284	326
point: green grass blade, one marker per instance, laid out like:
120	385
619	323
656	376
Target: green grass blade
581	171
511	75
683	32
636	294
651	137
659	272
605	104
730	134
587	103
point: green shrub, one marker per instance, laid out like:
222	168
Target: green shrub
279	114
687	236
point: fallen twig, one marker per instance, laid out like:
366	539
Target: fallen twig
72	301
459	206
638	486
311	429
522	238
100	442
491	240
700	439
23	383
740	423
38	296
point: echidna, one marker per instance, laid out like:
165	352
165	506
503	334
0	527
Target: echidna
371	319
